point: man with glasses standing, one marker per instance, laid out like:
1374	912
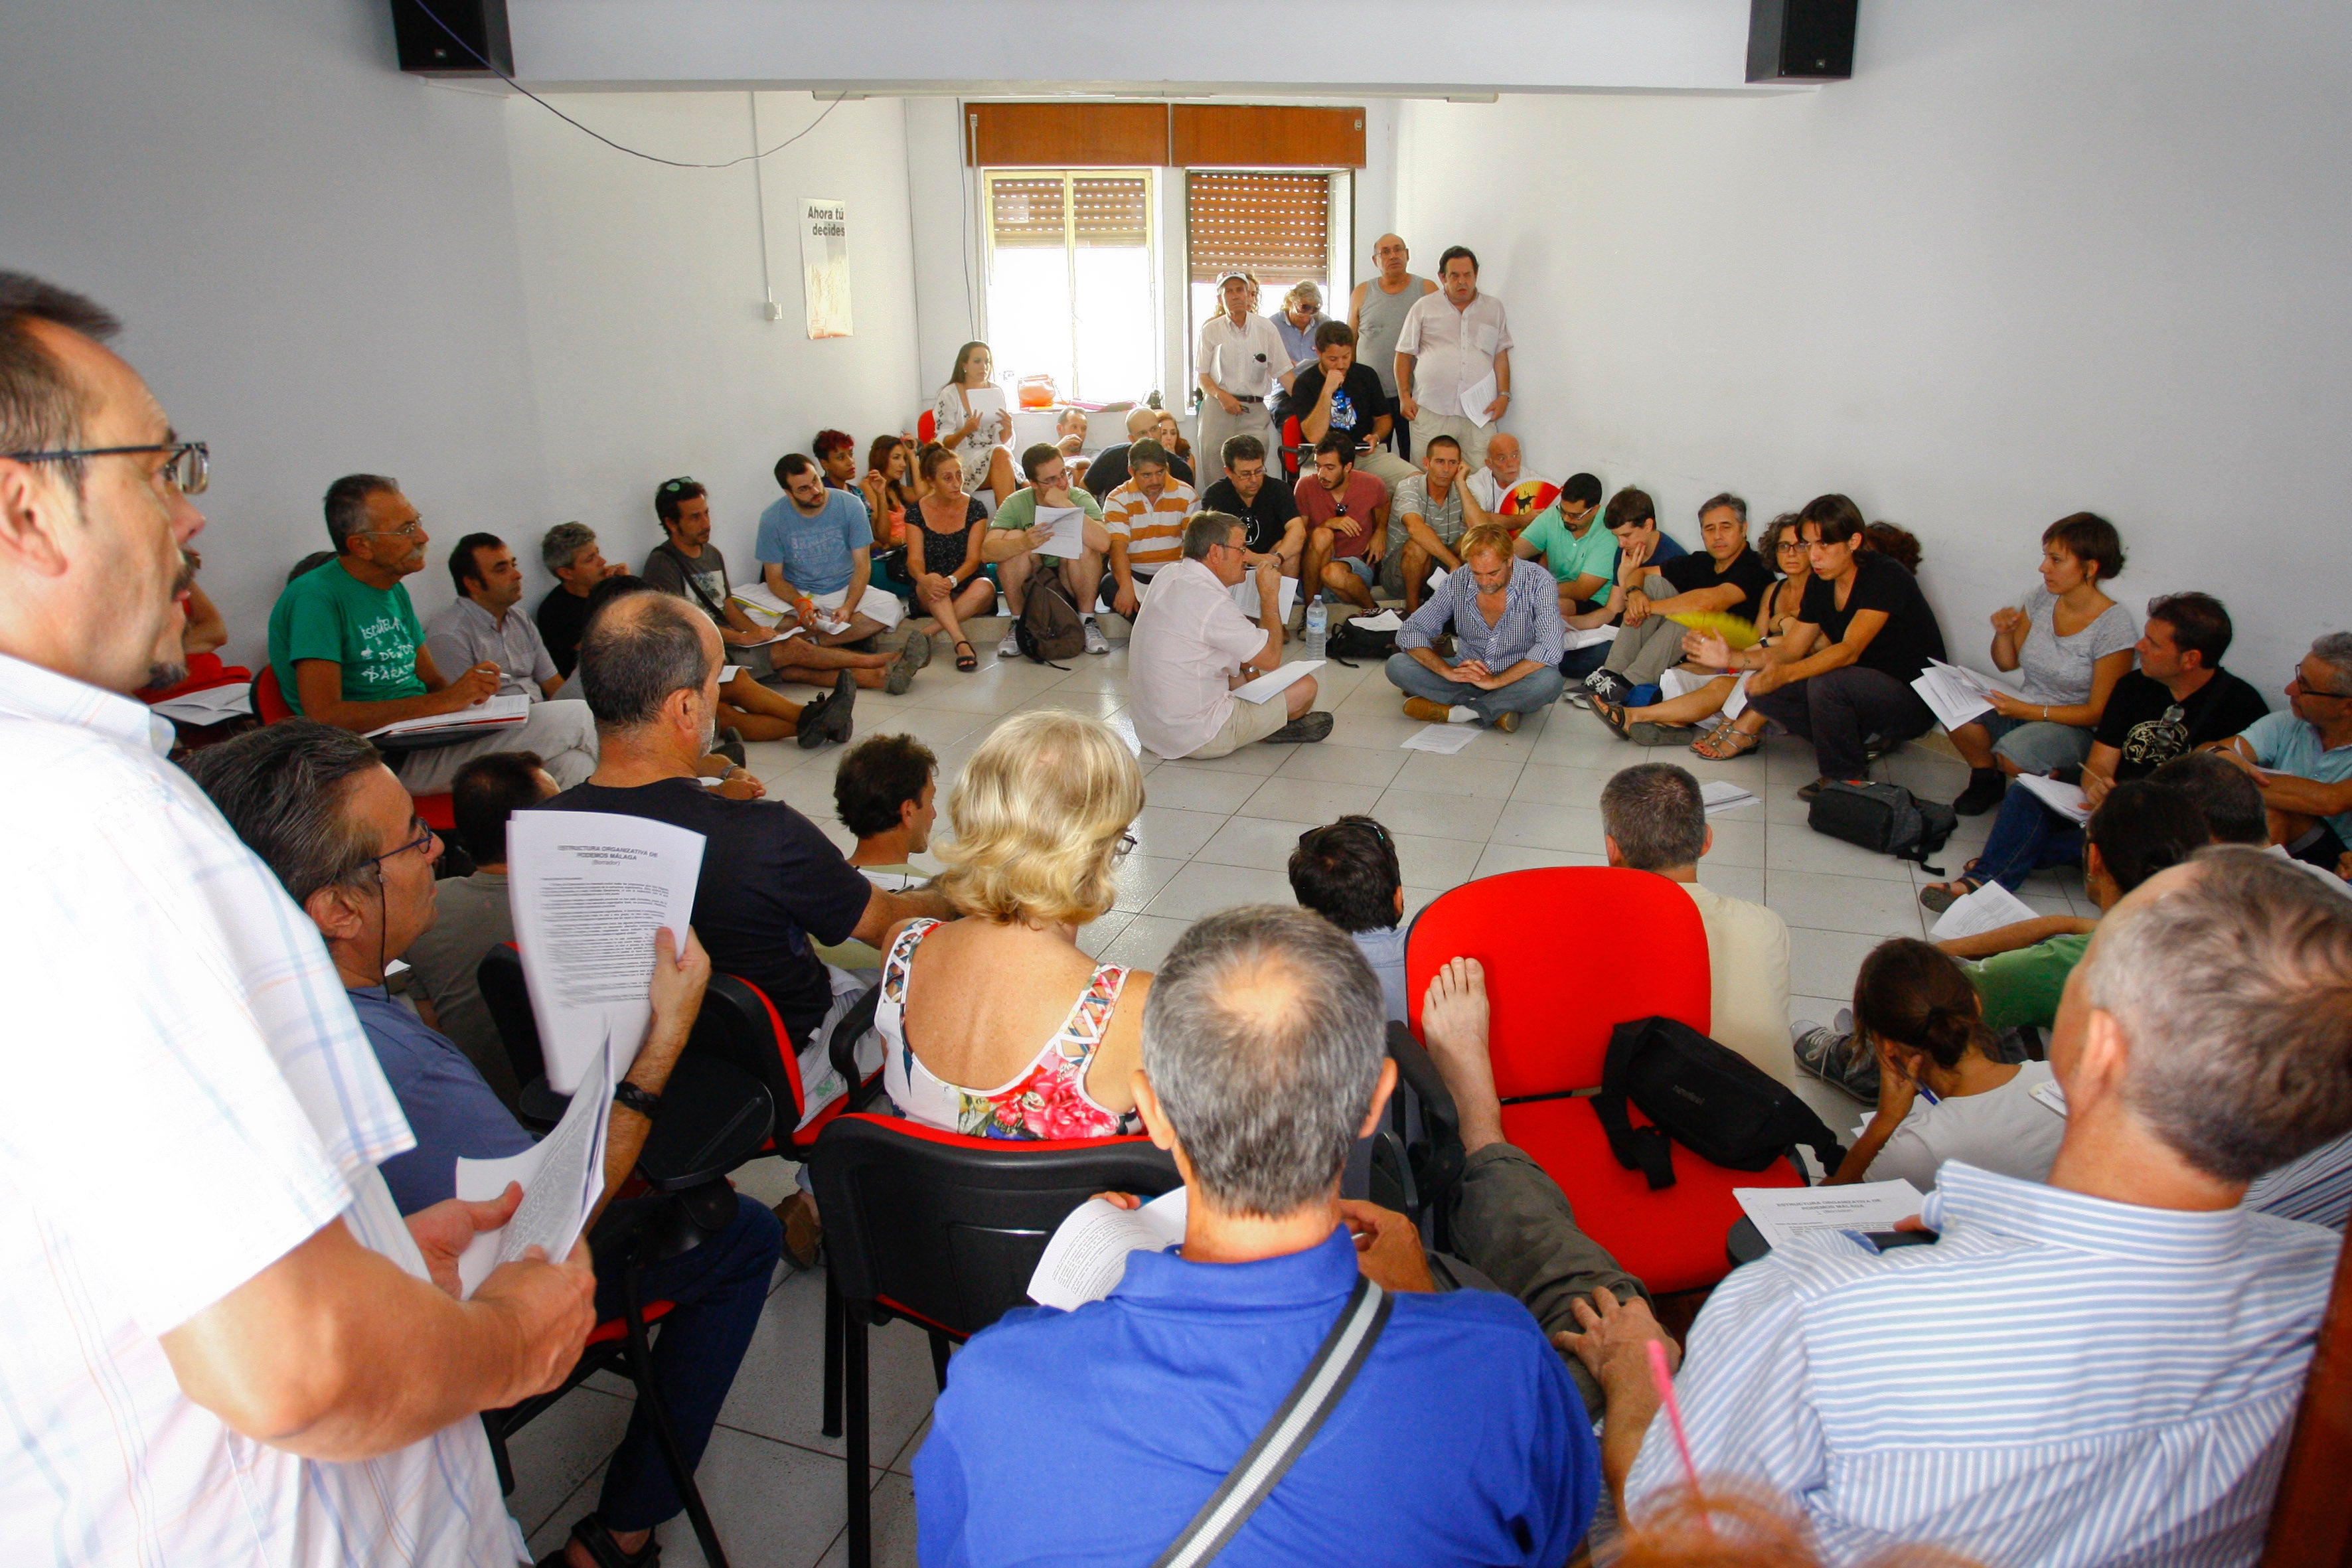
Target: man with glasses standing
2301	760
225	1344
347	649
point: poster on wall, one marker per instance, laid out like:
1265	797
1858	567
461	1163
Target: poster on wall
824	266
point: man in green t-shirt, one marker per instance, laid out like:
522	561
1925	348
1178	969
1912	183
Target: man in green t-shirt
1568	538
347	649
1015	545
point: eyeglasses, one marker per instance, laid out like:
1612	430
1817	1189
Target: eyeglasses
1788	544
405	531
2300	684
188	467
1124	848
421	845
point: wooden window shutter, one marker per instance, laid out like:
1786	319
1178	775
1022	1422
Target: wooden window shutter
1067	136
1275	226
1110	211
1265	136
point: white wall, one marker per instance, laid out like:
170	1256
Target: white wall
325	265
650	351
313	257
2039	256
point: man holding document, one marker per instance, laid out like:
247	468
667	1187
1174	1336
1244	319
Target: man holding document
225	1344
1195	652
319	806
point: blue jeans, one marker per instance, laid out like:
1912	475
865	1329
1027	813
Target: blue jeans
1578	662
717	1290
1537	688
2027	837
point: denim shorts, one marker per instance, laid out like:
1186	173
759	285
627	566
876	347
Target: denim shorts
2035	745
1362	568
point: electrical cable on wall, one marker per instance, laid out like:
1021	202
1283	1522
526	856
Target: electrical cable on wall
964	237
751	157
773	311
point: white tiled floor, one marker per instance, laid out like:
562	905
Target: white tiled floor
1213	834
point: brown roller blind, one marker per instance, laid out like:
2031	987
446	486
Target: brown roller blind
1265	136
1274	227
1067	136
1055	210
1109	211
1026	211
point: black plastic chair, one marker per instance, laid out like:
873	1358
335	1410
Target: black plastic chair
944	1231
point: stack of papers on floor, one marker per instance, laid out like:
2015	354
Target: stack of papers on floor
494	713
1443	739
1989	908
212	705
1722	795
1783	1214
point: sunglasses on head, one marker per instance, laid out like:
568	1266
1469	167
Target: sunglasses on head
671	487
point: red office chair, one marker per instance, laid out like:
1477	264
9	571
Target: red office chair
269	705
1569	953
944	1231
927	427
1294	448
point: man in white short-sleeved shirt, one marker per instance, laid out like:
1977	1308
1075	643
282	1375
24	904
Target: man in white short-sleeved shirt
225	1346
1192	646
1453	361
1241	362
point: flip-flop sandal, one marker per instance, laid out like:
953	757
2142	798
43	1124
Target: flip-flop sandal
1713	746
969	659
1611	714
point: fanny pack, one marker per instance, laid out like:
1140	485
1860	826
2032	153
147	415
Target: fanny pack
1703	1095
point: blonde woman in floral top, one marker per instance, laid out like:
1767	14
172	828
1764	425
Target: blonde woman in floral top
996	1025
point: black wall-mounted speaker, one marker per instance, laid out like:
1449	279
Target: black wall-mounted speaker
428	50
1801	40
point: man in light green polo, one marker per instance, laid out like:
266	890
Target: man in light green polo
1014	542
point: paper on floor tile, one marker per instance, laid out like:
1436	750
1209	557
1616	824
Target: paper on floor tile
1443	739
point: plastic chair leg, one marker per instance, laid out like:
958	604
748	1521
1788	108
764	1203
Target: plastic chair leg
939	1359
861	1514
833	1317
681	1474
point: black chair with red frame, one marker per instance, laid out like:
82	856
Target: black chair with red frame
944	1231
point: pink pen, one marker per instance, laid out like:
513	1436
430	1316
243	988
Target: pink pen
1665	1380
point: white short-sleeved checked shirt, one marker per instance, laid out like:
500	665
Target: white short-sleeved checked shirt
193	1099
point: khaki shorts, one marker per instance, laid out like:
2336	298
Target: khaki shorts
1248	722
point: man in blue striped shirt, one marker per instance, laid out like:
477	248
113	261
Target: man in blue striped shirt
1507	630
2103	1369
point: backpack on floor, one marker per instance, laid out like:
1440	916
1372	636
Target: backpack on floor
1884	819
1349	642
1049	627
1705	1096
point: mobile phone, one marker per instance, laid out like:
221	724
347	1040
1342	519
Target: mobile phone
1885	1241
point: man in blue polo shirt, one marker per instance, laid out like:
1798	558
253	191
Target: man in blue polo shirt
1462	1438
2302	759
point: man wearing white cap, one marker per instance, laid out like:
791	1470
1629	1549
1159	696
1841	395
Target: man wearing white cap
1241	355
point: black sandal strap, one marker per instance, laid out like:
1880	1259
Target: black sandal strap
591	1532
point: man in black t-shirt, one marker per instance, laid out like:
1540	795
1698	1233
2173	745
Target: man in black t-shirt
1724	576
1335	396
2177	699
1270	509
570	550
1109	469
771	880
1844	672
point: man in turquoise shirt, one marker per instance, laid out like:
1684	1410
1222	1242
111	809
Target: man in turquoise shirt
1568	538
2301	760
348	650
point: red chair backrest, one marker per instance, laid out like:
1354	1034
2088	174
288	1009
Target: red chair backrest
268	701
1570	953
926	428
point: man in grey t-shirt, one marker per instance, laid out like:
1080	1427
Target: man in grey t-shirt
1376	315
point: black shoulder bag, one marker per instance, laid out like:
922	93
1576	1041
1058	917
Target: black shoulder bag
1703	1095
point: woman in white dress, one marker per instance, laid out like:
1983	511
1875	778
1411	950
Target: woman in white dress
975	423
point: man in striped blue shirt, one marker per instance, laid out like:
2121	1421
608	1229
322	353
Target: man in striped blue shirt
1507	631
2103	1369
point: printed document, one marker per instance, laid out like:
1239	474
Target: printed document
1086	1258
1246	595
589	889
1477	397
1957	695
2063	798
1066	531
1989	908
492	714
563	1175
1278	679
1783	1214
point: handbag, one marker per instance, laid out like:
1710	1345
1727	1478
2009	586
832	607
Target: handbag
1287	1431
1703	1095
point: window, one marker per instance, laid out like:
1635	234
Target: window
1070	281
1277	227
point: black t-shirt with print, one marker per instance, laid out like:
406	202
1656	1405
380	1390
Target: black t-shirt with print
2142	721
1267	515
1355	407
563	615
1106	470
1910	636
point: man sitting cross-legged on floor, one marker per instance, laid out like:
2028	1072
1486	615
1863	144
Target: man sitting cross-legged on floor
2143	1414
1505	614
1194	645
1015	545
815	553
323	813
349	652
1724	576
1461	1438
771	883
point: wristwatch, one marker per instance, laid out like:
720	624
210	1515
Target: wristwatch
645	1104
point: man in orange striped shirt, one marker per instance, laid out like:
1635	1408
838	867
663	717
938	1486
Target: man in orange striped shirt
1146	519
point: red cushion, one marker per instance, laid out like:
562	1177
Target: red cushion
268	699
436	812
618	1328
1570	953
1671	1240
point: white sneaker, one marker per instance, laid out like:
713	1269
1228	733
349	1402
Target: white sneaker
1009	649
1095	641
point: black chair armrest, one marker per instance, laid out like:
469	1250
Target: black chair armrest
841	1047
1418	1073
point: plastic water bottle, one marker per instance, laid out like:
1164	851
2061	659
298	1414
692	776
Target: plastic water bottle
1319	623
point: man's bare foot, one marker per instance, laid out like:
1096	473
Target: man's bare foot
1454	1024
